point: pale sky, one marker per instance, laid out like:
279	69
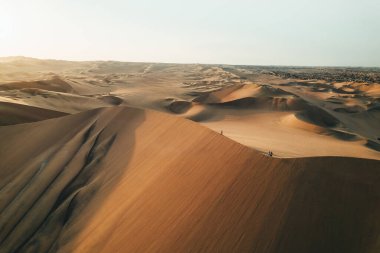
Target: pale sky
256	32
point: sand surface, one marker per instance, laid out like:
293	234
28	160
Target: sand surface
129	157
254	106
131	180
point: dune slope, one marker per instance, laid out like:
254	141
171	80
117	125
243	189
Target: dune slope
127	180
11	113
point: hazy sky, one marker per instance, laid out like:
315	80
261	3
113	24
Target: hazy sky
270	32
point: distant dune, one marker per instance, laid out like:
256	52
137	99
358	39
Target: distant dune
54	84
130	180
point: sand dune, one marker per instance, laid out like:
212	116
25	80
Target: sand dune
55	84
179	106
113	100
268	118
129	180
58	101
238	92
11	114
318	117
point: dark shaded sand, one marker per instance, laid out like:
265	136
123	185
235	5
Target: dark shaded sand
11	114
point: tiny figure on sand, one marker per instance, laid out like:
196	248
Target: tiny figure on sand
221	132
270	153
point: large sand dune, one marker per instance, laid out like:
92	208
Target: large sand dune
131	180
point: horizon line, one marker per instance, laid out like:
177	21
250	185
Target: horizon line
190	63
